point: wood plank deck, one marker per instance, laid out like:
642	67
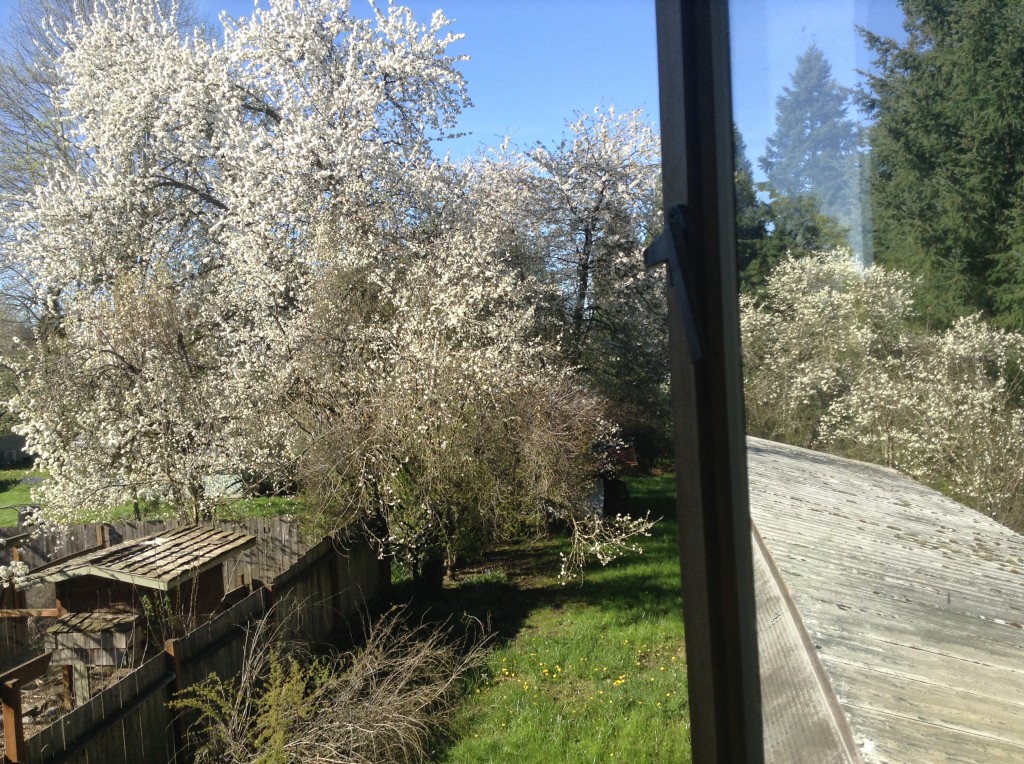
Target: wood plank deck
914	604
803	721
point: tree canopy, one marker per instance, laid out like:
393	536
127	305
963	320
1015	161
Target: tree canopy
809	151
948	150
814	168
257	266
812	160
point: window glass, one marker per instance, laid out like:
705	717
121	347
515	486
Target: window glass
879	167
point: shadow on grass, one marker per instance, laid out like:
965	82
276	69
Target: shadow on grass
12	475
504	588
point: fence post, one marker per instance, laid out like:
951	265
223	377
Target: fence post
10	696
337	608
180	734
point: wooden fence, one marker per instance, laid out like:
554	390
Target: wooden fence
313	600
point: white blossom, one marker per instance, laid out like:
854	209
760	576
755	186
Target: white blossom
174	263
832	360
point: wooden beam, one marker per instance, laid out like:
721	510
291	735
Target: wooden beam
11	683
27	671
14	729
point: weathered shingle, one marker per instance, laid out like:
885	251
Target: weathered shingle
161	561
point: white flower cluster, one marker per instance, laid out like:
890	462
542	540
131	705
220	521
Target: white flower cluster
175	256
429	408
13	574
831	359
607	540
252	264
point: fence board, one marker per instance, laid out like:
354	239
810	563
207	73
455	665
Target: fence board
130	721
224	626
96	731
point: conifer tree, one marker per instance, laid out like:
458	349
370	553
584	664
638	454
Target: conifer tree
948	145
812	161
751	217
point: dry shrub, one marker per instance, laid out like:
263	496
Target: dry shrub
383	702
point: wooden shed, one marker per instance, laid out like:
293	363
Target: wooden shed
174	577
184	563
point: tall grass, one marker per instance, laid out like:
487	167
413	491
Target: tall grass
591	672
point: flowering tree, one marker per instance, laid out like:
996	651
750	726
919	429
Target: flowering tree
576	216
432	416
172	261
948	414
807	336
597	202
30	130
832	360
257	265
33	136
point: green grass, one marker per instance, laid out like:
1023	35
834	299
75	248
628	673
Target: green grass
261	506
14	493
581	673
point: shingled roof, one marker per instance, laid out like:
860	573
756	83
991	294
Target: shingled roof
160	561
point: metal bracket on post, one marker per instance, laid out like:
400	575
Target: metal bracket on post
671	243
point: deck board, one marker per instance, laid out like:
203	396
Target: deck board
914	604
802	721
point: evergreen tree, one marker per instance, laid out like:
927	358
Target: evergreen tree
948	148
812	162
751	218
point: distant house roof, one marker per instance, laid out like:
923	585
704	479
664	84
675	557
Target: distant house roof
912	604
161	561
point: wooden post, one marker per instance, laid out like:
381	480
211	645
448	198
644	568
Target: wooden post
14	730
173	652
20	600
68	682
80	672
75	678
337	616
10	696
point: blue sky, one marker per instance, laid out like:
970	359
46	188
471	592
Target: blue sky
533	63
768	36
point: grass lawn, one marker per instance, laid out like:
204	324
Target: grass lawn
14	493
261	506
580	673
